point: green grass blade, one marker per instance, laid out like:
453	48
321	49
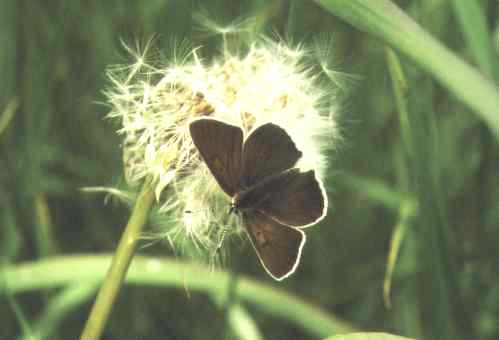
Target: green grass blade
407	212
367	336
496	39
58	271
386	21
60	306
8	113
11	239
44	228
438	295
21	318
242	324
376	191
474	27
8	294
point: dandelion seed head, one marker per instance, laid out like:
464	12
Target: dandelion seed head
269	82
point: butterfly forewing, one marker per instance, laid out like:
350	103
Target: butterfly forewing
268	150
278	246
272	196
220	146
293	198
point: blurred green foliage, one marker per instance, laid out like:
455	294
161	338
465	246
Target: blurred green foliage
405	141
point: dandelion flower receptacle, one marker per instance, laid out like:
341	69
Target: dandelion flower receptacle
268	82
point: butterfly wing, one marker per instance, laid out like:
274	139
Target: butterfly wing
278	246
220	145
268	150
293	198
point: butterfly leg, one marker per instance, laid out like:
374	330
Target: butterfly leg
232	209
221	239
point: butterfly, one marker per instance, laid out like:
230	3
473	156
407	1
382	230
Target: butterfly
276	199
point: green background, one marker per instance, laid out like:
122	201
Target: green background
414	165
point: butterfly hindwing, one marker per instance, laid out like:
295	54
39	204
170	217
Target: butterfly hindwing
274	197
268	150
220	145
293	198
278	246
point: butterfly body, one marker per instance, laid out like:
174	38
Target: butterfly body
250	199
274	198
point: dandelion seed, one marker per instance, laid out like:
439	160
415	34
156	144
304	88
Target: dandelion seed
271	82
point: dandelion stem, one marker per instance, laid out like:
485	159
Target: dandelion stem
119	266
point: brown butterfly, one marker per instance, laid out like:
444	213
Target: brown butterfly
274	198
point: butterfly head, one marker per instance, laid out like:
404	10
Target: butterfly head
234	203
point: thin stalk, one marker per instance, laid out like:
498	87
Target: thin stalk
119	266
